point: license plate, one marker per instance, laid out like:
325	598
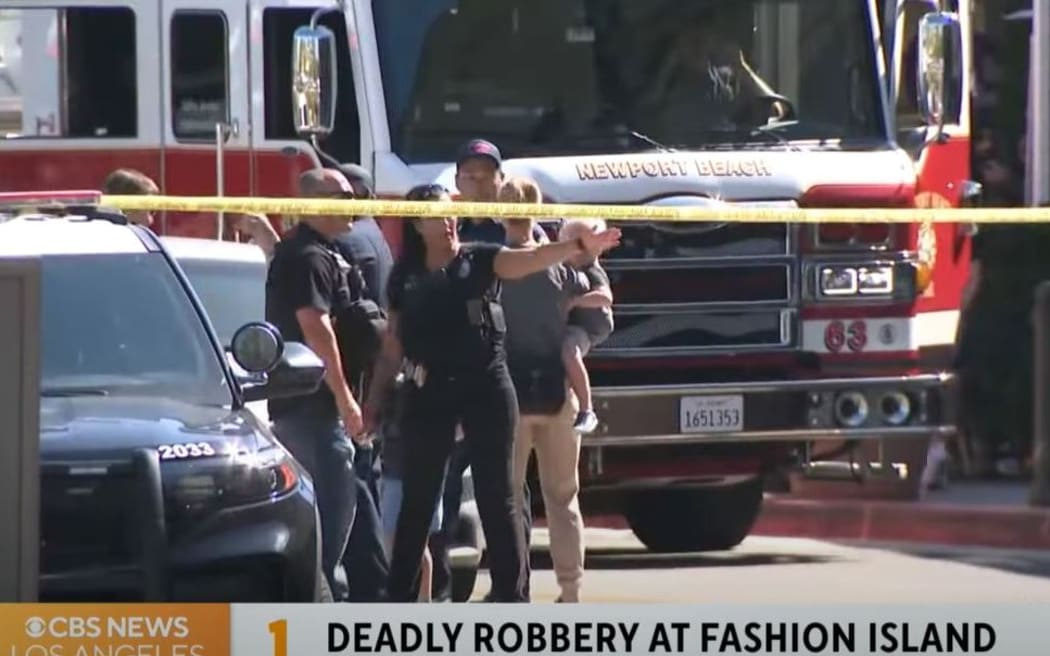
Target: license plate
711	414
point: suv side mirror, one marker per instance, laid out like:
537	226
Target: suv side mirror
940	74
257	347
277	369
314	80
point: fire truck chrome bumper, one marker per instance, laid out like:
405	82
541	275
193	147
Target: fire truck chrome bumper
772	386
800	410
804	435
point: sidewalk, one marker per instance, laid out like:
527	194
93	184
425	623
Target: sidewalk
965	514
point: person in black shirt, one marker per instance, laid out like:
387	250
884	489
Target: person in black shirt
446	331
479	175
306	288
365	244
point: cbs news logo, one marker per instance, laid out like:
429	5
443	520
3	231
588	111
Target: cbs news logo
128	628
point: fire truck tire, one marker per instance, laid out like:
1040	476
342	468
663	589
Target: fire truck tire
681	520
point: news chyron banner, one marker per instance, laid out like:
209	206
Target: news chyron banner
352	629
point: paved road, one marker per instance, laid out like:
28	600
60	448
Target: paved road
796	570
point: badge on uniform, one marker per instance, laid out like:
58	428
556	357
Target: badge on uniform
344	266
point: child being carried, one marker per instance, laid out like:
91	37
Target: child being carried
590	320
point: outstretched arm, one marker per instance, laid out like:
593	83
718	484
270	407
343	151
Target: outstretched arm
511	263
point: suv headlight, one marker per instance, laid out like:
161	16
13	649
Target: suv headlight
236	480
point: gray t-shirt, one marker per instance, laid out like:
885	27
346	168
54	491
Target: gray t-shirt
596	322
534	307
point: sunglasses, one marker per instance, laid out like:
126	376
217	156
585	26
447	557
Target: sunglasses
430	191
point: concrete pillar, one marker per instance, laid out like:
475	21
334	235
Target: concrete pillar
19	429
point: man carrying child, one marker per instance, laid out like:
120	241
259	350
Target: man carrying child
536	312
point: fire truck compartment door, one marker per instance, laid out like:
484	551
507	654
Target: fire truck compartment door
206	91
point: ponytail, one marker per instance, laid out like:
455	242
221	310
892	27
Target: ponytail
413	250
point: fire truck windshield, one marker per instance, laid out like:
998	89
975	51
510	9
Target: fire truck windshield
565	77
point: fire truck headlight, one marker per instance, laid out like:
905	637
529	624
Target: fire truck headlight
875	280
896	408
838	281
851	409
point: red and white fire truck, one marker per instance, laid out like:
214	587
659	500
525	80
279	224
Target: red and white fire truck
740	348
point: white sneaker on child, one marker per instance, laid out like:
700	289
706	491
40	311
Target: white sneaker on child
586	421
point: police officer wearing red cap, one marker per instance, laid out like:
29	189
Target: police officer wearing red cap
479	174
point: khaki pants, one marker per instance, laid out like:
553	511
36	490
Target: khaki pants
557	448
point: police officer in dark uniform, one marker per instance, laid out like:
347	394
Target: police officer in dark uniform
306	288
364	246
446	332
479	175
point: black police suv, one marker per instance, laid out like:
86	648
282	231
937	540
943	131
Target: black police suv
157	483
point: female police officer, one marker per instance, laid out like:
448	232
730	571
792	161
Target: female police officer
446	329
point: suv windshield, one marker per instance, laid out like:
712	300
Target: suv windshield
564	77
233	293
123	324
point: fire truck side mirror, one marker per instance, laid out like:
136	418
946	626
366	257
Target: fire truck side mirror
314	81
940	74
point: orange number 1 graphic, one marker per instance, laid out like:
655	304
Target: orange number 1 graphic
279	631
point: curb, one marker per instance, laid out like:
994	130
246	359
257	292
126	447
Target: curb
1006	527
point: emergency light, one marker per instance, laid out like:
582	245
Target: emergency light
21	201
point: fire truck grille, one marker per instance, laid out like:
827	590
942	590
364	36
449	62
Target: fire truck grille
671	241
648	333
697	288
690	283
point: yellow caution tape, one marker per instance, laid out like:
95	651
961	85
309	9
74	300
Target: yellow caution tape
727	213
